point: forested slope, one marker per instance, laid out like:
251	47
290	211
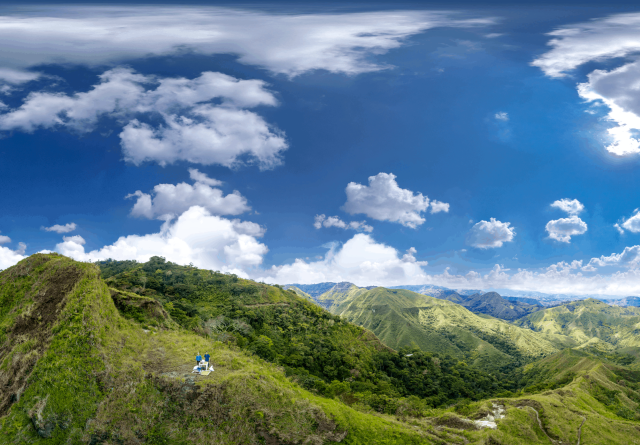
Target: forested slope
75	369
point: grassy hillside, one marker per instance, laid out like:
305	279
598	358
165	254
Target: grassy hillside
75	370
591	323
403	318
317	349
83	363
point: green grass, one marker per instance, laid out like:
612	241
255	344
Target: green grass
100	377
99	374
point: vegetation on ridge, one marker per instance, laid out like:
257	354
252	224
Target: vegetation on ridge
321	351
591	323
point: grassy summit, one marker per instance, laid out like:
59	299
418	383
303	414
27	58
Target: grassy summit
88	360
75	370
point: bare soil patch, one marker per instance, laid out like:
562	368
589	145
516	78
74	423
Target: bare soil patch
34	326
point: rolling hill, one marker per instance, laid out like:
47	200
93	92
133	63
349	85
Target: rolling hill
590	323
403	318
85	364
490	303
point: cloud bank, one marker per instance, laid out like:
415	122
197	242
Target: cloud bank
10	257
288	44
205	120
360	260
208	241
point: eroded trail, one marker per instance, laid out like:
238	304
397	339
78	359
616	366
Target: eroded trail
554	442
584	419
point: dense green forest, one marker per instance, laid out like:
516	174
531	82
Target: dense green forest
319	350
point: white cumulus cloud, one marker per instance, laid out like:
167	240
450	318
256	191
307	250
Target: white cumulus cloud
194	128
384	200
289	44
335	221
69	227
438	206
564	228
168	200
208	241
632	224
502	116
361	260
571	206
490	234
10	257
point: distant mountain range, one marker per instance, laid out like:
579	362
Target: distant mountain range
515	296
442	325
328	295
554	299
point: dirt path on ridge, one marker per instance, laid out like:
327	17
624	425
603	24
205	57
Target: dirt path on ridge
584	419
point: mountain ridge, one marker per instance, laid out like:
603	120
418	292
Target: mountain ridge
102	354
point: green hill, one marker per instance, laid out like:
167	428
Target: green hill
89	360
590	323
314	347
404	318
573	397
75	369
491	303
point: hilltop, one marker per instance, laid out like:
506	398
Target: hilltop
76	369
102	354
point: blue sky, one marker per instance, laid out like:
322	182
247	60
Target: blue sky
458	145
